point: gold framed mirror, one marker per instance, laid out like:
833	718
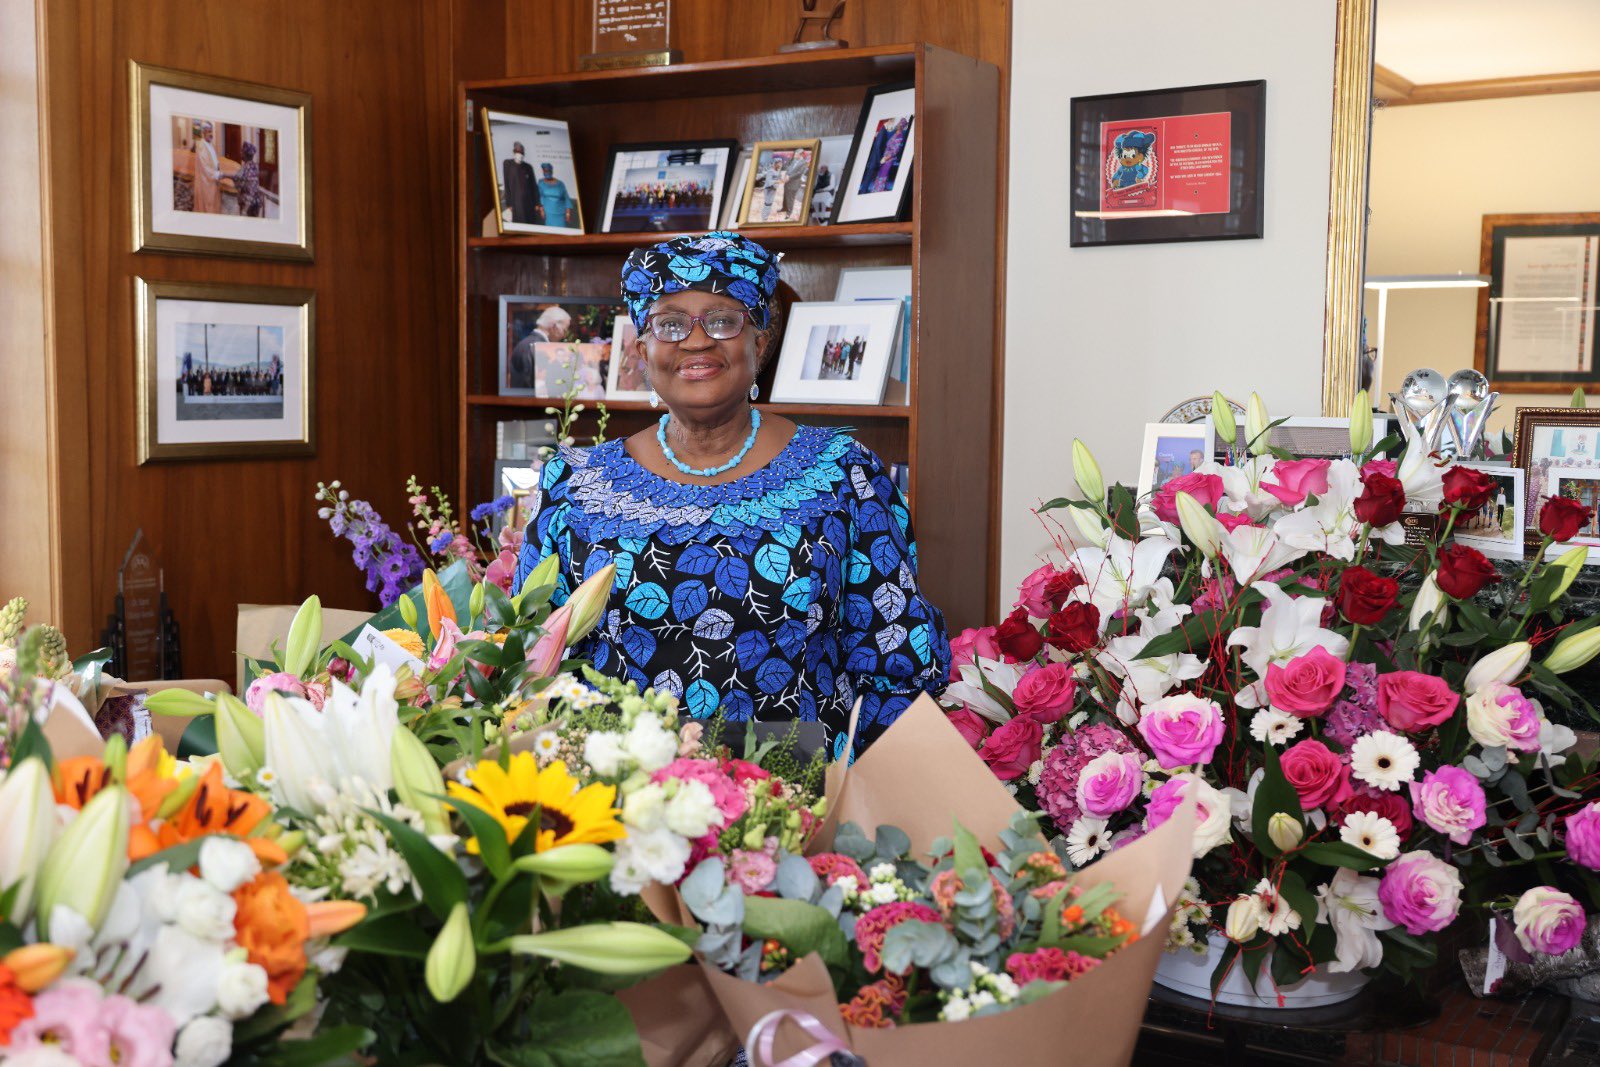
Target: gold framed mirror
1347	202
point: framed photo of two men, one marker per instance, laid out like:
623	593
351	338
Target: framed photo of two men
1182	164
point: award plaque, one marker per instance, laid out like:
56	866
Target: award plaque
631	33
141	633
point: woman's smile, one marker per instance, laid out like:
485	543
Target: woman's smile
699	367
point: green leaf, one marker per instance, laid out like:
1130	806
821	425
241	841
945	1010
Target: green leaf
389	935
798	926
1124	513
1340	854
1253	955
969	854
330	1046
1195	633
493	847
1293	889
575	1028
1273	795
200	738
32	742
443	884
1230	956
1289	963
177	858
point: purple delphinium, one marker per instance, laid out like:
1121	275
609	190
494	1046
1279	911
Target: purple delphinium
391	565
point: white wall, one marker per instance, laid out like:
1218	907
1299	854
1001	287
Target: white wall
1101	340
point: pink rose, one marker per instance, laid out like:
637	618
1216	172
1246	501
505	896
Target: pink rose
751	871
1045	693
1411	701
1583	836
276	682
1013	748
1044	591
1315	772
1549	921
971	643
1420	892
1296	479
1109	783
1389	468
317	694
1231	522
1450	801
1205	488
1307	685
972	727
1181	729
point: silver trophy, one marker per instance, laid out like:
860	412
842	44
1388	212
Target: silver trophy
1447	415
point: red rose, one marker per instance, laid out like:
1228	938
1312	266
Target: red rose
1045	693
1560	518
1411	701
1060	584
1463	571
1076	627
1018	638
972	727
1391	806
1013	748
1466	488
1307	685
1382	498
1205	488
1315	772
1366	598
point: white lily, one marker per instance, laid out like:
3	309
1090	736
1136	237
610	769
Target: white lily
1121	574
1203	531
1242	484
970	690
1290	627
1153	677
1421	477
1430	604
1501	665
349	738
28	814
1089	523
1252	551
1350	905
1330	524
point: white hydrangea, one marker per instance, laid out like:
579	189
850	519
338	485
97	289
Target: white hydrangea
651	745
602	751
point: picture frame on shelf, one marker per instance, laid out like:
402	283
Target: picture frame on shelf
220	167
883	283
1322	436
1180	164
777	190
532	173
833	154
224	371
667	186
549	345
878	172
1582	485
1496	529
1537	319
734	202
1171	450
836	353
626	378
1552	444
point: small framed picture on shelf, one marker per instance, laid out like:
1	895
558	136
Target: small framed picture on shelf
777	191
1495	529
1557	451
1321	437
1583	485
225	371
877	284
626	380
551	346
877	173
220	167
832	156
535	182
733	203
668	186
1172	450
836	353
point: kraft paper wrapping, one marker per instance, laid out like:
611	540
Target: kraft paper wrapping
170	727
259	625
680	1023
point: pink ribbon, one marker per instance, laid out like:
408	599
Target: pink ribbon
764	1036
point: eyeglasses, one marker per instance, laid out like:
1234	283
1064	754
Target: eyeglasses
722	324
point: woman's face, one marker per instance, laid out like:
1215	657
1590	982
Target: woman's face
700	373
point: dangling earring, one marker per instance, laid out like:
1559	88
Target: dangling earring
755	392
655	399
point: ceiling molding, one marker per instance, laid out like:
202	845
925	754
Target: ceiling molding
1390	87
1396	91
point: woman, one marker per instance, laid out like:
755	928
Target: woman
762	568
207	174
247	180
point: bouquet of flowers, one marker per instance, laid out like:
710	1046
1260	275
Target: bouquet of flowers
1359	721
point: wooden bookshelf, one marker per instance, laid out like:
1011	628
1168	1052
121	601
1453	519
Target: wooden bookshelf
943	433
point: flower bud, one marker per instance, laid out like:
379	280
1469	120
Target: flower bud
305	635
177	702
1429	605
1244	919
453	958
175	801
27	830
1579	400
1256	421
437	601
36	966
291	841
544	658
1285	831
1086	472
86	865
418	781
115	757
1222	420
754	838
1571	563
241	738
1574	651
475	602
619	948
1199	525
568	865
1091	526
1360	423
328	918
588	603
408	610
542	575
1501	665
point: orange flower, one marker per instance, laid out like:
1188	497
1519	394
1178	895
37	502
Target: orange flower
1072	914
15	1005
330	917
147	778
874	1005
216	809
79	779
272	927
437	601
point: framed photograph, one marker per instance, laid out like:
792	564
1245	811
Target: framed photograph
832	156
551	346
626	379
836	353
1320	437
883	283
225	371
1172	450
1583	485
1554	443
1168	164
521	440
1496	528
733	203
534	179
668	187
877	173
777	191
220	167
1537	319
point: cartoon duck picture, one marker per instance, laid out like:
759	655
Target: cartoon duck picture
1131	152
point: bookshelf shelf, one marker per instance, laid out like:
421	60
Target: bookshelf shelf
843	411
777	238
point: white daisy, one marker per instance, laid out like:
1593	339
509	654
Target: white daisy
1273	727
1383	760
546	745
266	777
1277	917
1086	840
1371	832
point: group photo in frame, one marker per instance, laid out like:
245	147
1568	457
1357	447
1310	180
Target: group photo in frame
877	175
1537	318
667	187
836	353
1557	451
777	189
553	346
220	167
224	371
1183	164
1172	450
532	173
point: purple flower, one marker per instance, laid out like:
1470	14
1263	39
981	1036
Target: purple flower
1420	892
440	543
1356	714
1058	781
1583	836
1451	802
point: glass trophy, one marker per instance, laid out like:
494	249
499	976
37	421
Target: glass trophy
631	33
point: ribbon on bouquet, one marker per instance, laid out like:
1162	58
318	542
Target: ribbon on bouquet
763	1037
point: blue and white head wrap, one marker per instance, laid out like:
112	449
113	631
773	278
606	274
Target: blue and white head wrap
718	262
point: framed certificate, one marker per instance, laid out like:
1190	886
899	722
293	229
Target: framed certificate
1537	318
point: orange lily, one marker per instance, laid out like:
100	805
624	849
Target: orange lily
79	779
329	917
37	965
215	809
437	602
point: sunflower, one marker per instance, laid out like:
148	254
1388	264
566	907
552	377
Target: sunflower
407	639
567	814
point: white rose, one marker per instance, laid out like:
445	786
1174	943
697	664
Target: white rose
204	912
227	863
651	744
644	808
602	751
692	811
628	877
1213	813
206	1041
241	989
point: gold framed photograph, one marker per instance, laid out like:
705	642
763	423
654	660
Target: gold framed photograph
1558	450
220	167
532	174
777	190
224	371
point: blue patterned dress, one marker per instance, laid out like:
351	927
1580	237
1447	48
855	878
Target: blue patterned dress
781	595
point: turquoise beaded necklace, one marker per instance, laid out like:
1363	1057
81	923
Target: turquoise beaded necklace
709	472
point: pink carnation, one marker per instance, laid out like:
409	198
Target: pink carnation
725	791
255	693
1048	965
752	871
872	927
1205	488
832	866
1451	801
1058	781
